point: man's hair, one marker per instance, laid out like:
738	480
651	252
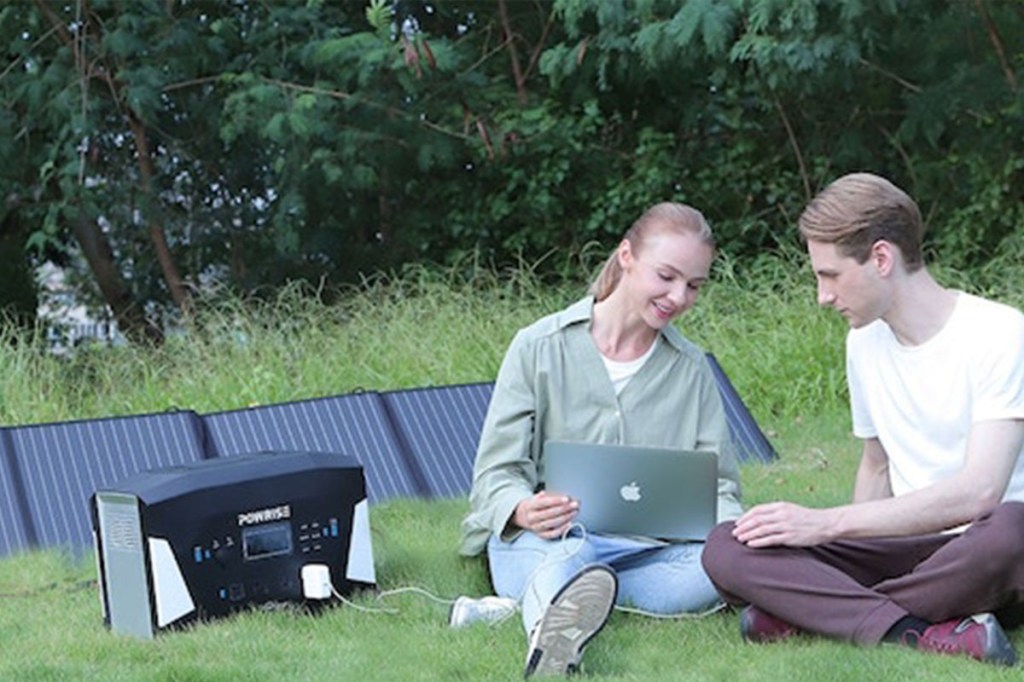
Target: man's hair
859	209
664	217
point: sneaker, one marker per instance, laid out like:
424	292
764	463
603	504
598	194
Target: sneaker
761	627
575	615
979	636
491	610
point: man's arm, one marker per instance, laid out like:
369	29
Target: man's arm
872	481
992	450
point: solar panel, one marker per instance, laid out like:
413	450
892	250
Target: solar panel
14	536
61	465
418	442
441	427
750	441
355	424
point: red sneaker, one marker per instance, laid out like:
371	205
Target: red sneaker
979	636
761	627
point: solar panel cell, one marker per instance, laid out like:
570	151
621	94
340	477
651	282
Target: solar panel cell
61	465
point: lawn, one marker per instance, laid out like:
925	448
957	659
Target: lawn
784	356
51	623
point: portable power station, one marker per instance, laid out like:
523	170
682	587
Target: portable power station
206	539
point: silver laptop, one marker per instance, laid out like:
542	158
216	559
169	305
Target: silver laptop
635	490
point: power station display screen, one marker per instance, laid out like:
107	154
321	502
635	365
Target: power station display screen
272	539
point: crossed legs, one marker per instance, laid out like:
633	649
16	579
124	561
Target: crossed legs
856	590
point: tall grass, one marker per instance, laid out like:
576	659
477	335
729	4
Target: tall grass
418	327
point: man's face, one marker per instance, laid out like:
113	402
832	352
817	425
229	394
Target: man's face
853	289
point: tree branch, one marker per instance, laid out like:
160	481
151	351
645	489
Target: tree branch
202	80
175	284
889	74
796	148
55	22
539	47
517	72
997	43
901	151
34	45
342	95
99	255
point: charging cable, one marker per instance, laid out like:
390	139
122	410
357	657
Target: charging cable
571	549
316	584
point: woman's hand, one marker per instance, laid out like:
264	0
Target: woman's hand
547	514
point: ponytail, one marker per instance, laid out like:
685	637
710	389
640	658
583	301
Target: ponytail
607	279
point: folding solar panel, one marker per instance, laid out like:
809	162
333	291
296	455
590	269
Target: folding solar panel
441	427
62	465
355	424
14	536
751	443
417	442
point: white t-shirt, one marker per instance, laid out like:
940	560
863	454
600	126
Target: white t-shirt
920	401
621	372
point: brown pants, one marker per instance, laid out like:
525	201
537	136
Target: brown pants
857	589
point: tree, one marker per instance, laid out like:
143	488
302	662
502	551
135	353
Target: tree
177	142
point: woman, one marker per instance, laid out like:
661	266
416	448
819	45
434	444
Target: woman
610	368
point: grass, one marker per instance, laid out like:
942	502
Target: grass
50	619
420	328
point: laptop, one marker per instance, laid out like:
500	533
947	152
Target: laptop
636	490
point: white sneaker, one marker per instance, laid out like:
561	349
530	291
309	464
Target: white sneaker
575	615
491	610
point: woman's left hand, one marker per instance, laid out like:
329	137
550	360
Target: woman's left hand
547	514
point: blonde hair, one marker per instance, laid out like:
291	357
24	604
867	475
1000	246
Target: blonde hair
666	216
859	209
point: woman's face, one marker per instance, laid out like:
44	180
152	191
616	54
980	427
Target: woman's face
664	276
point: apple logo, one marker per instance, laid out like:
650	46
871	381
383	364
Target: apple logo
630	492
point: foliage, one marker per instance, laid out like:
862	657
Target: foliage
158	146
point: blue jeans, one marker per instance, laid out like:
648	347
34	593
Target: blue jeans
658	578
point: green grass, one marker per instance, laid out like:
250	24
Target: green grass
51	623
418	328
783	354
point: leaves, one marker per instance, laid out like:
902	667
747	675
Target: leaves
310	139
378	15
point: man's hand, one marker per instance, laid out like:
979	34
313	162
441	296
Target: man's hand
546	514
784	523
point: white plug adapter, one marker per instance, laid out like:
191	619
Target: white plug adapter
316	581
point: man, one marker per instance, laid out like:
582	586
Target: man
931	546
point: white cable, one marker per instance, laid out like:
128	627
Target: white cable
624	609
415	590
390	593
357	607
569	553
444	600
